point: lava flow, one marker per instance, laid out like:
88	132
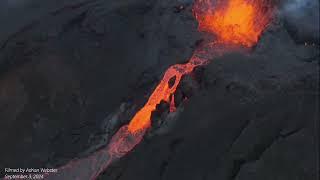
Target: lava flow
234	22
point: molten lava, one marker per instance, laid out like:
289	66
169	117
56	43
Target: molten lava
239	22
163	92
234	22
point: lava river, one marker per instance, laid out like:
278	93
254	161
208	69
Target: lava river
234	23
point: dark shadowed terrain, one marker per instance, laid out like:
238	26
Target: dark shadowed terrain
73	71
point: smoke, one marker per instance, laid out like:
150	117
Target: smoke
301	18
297	7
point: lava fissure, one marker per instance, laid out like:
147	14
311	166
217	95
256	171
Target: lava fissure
235	23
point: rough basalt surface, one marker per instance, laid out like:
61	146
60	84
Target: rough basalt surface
65	67
73	71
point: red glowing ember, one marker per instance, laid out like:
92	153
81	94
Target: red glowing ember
239	22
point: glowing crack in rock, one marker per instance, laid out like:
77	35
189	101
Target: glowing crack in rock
234	22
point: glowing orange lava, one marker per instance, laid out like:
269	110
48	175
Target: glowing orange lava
234	21
163	92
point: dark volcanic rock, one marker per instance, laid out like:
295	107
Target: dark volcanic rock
255	120
66	65
70	66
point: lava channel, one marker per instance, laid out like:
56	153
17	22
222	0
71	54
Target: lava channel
233	22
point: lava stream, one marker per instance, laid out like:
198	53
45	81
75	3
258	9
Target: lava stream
163	92
234	22
128	136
